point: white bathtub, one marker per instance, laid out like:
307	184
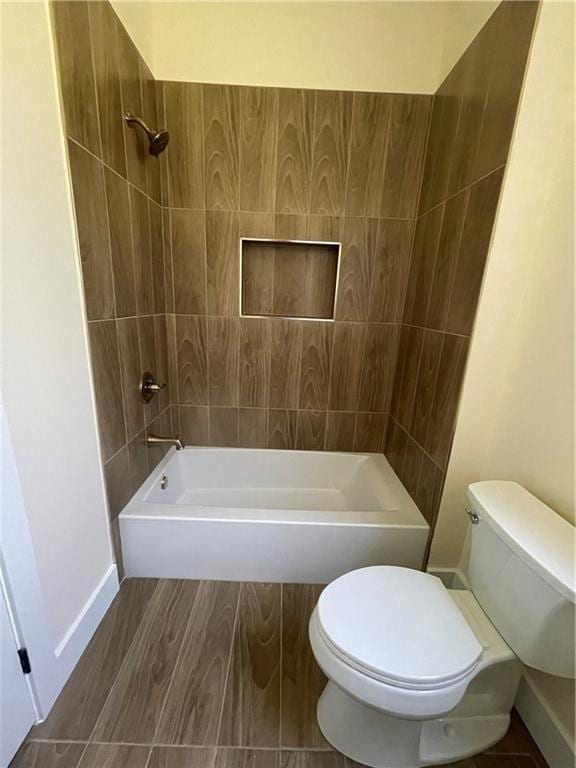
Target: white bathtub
264	515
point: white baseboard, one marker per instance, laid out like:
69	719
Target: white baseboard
78	636
543	726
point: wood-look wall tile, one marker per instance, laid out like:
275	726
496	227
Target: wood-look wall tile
254	363
446	261
409	347
286	344
139	465
310	430
368	145
358	243
116	477
223	348
184	154
251	712
289	286
389	272
315	365
162	369
168	270
370	434
107	386
192	357
114	756
149	362
478	225
76	710
332	123
221	146
510	31
77	82
131	372
378	367
182	757
258	263
347	359
294	155
222	262
189	261
152	112
157	253
253	428
411	466
132	711
405	155
324	228
423	262
118	201
441	422
256	224
426	385
258	125
103	28
290	226
172	356
33	754
302	680
194	425
429	490
192	710
131	93
340	431
160	425
143	272
92	226
395	447
282	429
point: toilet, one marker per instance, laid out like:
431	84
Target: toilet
419	674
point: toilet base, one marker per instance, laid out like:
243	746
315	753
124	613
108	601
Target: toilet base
374	738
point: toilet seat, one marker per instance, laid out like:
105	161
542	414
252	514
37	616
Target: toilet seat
393	637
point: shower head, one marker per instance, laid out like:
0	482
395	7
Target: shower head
157	140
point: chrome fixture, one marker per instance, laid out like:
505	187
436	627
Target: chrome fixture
161	440
474	516
157	140
149	387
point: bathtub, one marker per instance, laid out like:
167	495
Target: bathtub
264	515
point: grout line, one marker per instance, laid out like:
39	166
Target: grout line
459	192
225	687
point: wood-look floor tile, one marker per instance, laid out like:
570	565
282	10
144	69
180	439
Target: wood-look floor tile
221	146
115	756
302	679
182	757
132	711
183	117
77	708
332	122
71	34
251	713
518	740
315	365
309	759
194	703
92	227
247	758
37	755
258	118
294	154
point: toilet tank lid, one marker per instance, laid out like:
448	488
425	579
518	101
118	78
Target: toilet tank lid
535	532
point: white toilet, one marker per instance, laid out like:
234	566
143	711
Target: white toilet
419	674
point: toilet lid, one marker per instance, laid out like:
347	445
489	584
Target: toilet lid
398	625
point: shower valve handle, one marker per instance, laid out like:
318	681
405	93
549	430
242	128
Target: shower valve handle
149	387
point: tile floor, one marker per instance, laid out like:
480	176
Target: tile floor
188	674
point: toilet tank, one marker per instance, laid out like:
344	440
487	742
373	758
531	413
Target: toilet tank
521	571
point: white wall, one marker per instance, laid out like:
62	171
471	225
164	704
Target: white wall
404	46
516	419
45	377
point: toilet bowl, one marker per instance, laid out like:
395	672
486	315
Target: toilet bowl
419	674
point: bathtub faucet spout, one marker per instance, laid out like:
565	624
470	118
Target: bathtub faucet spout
161	440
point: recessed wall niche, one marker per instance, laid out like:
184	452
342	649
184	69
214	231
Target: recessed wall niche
288	278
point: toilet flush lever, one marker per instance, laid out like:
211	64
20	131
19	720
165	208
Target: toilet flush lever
474	516
149	387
